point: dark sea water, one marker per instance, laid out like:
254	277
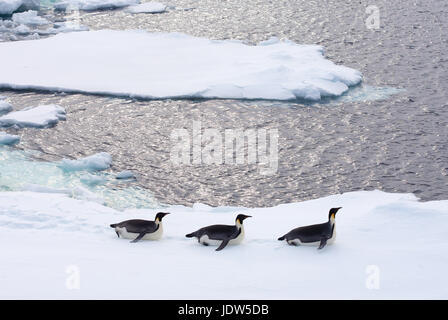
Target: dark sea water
399	144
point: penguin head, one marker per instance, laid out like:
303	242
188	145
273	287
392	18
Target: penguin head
240	218
333	212
160	215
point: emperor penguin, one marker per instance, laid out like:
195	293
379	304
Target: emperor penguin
314	234
137	229
221	235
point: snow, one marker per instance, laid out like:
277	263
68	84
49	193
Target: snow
125	174
52	238
148	7
90	5
42	116
29	18
8	7
172	65
96	162
5	107
8	139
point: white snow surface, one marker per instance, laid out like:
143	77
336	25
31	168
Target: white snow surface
29	17
42	116
8	7
147	7
97	162
8	139
172	65
52	237
90	5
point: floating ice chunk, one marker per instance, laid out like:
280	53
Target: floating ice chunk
43	116
9	6
90	5
22	29
172	65
31	4
96	162
8	139
69	27
5	107
148	7
29	18
125	174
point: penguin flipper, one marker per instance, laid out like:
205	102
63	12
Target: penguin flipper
139	237
223	244
323	243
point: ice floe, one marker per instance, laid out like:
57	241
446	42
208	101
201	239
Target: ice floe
5	107
125	174
8	7
172	65
90	5
147	7
388	246
8	139
29	18
43	116
97	162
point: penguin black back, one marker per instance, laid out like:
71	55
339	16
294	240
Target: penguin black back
316	233
219	232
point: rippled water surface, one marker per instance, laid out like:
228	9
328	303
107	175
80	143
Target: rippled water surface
398	144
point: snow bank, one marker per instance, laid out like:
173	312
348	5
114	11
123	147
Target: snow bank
148	7
29	18
5	107
8	139
8	7
90	5
43	116
172	65
96	162
77	192
398	238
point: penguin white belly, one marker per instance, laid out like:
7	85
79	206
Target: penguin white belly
131	235
206	240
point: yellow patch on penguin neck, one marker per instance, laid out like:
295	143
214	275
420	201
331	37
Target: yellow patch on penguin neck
158	220
333	217
238	222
